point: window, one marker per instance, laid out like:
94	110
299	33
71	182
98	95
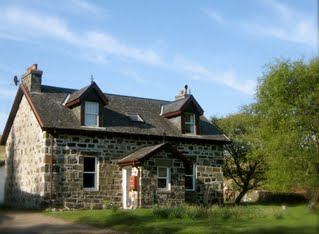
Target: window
163	178
190	123
90	173
190	176
135	118
91	113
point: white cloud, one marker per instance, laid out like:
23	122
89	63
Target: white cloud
215	16
102	47
225	77
290	25
32	24
282	10
133	75
109	44
86	6
27	24
286	24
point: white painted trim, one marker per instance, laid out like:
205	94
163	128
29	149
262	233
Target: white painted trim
124	190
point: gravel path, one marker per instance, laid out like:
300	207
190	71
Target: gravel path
31	222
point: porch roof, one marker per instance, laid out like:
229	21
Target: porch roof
137	157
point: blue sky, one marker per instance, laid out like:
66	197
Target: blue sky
153	48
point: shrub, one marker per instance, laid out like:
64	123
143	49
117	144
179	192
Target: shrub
218	213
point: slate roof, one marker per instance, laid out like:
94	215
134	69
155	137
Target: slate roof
143	153
140	153
48	105
179	104
77	94
174	106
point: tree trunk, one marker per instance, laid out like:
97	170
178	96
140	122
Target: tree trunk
240	196
313	200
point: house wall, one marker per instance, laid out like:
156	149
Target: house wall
68	169
25	166
2	183
209	175
150	195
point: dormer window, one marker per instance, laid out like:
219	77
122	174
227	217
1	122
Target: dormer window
190	123
91	117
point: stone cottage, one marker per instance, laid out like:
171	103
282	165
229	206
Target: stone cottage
89	149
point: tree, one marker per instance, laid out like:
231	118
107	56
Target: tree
243	163
287	102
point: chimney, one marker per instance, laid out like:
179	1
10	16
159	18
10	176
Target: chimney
183	93
32	78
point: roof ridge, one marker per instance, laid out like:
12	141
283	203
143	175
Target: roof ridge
151	99
70	90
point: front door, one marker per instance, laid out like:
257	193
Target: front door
130	186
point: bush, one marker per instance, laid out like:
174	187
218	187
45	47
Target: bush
217	212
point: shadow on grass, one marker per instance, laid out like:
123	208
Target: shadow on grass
241	228
284	230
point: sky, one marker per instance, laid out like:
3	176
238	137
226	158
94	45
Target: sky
152	49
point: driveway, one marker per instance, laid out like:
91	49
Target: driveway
31	222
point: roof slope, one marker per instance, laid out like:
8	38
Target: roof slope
53	114
180	104
142	154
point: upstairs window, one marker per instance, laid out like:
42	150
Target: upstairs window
90	173
163	178
190	123
91	117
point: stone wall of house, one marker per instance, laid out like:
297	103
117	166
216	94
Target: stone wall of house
150	195
25	183
209	176
69	151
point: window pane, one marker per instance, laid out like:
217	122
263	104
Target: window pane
88	180
189	182
162	172
190	118
89	164
90	120
161	183
91	107
189	128
91	113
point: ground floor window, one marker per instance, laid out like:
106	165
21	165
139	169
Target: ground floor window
90	167
190	177
163	178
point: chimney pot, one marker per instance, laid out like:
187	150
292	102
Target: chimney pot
182	94
32	79
33	67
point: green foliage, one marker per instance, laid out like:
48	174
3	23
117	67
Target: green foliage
244	163
288	104
229	219
168	212
216	212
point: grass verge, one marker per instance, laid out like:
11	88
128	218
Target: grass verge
192	219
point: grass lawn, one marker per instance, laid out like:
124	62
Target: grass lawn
246	219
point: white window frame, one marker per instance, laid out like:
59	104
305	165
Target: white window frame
167	177
96	173
191	123
193	176
89	113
